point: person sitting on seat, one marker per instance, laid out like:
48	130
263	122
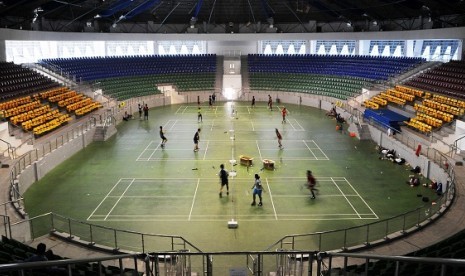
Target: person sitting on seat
126	116
39	256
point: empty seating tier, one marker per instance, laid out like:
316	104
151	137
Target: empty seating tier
96	68
447	80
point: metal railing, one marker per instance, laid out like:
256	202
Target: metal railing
368	234
67	266
10	149
103	236
435	264
40	151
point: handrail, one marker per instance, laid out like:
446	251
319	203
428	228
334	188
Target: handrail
24	267
34	155
443	262
443	201
455	146
62	224
11	150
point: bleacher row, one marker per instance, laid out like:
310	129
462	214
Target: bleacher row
35	113
432	113
97	68
16	81
453	247
326	85
136	86
13	251
373	68
446	79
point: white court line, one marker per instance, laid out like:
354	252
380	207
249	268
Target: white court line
348	201
253	127
101	202
213	123
287	120
271	199
320	150
362	199
301	128
172	126
155	150
173	159
206	149
193	199
154	196
309	149
116	203
146	148
259	152
184	110
178	110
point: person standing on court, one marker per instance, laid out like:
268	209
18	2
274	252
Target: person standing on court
257	190
224	181
140	111
280	137
311	183
284	113
199	115
163	138
210	101
270	103
146	112
253	101
196	140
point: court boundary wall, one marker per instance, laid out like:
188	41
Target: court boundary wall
39	168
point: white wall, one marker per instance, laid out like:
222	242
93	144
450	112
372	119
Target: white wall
219	43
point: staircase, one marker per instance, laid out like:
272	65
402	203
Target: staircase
102	133
99	134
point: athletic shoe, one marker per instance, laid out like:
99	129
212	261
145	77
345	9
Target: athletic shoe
227	193
253	203
312	197
221	195
260	204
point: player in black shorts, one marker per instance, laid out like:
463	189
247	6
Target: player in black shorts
163	138
196	140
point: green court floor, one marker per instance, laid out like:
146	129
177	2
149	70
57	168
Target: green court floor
131	182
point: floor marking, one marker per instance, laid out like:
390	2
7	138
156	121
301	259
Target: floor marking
116	203
348	201
146	148
362	199
301	128
101	202
320	150
178	110
271	199
206	148
259	152
193	199
309	148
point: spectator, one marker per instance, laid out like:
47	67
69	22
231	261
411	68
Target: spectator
39	256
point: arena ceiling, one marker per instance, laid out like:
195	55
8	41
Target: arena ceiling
15	12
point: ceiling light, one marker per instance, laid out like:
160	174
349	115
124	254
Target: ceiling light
349	24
